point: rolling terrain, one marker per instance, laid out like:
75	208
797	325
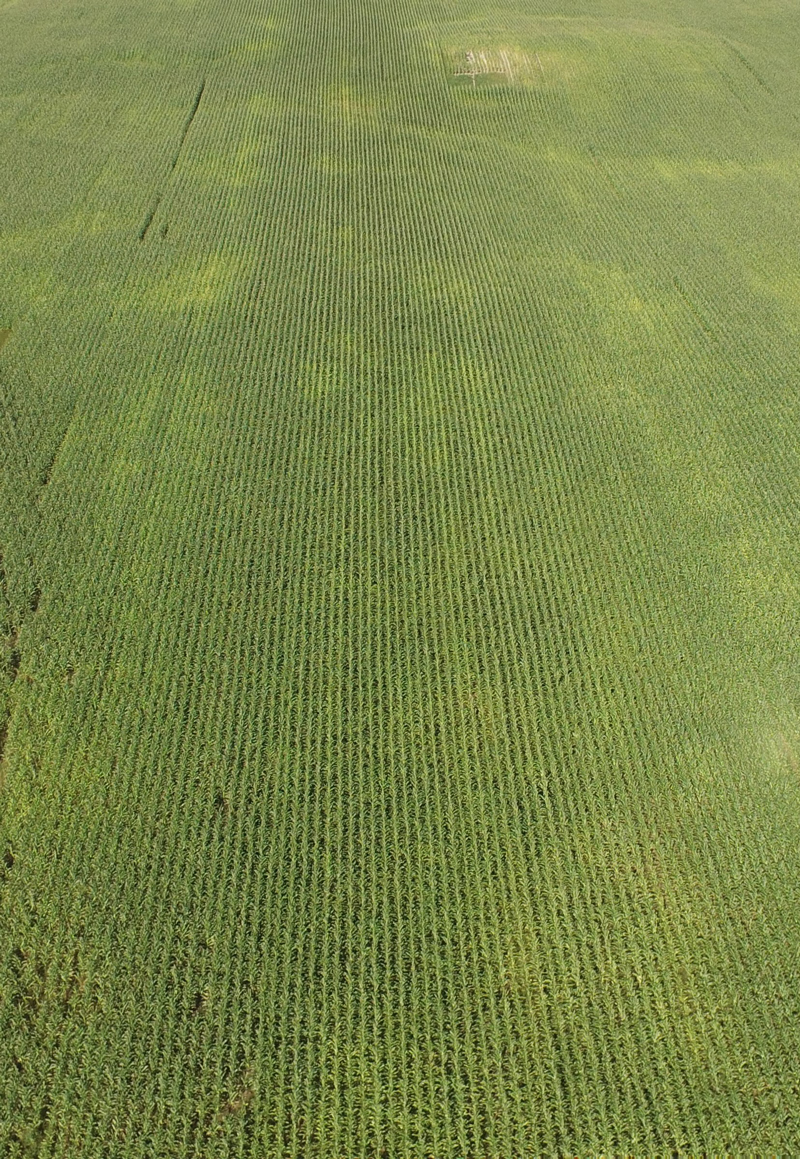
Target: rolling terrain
400	597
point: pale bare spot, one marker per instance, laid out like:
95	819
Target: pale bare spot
504	62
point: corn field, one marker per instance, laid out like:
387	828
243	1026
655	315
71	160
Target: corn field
399	578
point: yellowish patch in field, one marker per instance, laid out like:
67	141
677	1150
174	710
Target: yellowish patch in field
708	488
45	238
782	745
319	379
255	47
352	106
626	320
332	165
677	169
608	284
261	105
749	561
786	290
561	64
245	164
4	337
759	582
125	471
205	285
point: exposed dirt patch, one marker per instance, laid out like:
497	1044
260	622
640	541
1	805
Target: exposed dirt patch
504	64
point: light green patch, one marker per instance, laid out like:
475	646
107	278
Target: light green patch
30	257
677	169
759	580
319	379
204	286
261	105
785	289
781	742
256	47
245	164
332	166
352	106
625	320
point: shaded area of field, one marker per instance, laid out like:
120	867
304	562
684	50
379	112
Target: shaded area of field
399	593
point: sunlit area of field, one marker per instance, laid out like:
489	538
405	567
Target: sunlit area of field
399	578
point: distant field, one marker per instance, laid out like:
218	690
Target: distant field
399	578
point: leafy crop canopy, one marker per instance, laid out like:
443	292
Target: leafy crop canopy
399	721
